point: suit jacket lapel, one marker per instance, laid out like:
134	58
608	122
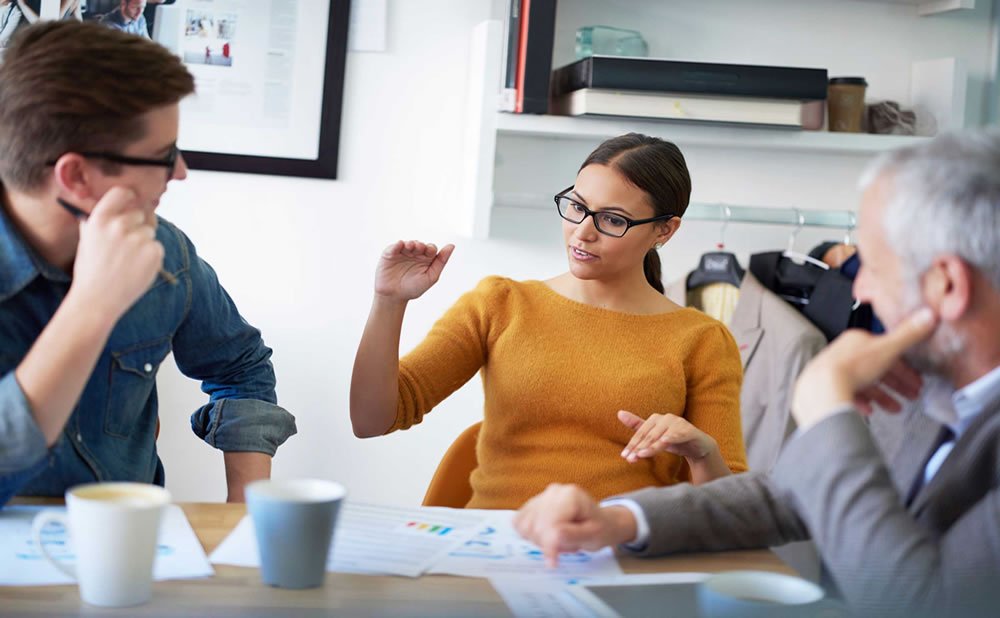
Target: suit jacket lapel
908	466
745	323
956	466
747	342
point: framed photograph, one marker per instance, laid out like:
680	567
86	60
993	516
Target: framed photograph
269	74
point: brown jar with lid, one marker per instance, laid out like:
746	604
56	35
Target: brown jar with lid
846	104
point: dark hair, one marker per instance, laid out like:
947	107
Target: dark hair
70	86
656	167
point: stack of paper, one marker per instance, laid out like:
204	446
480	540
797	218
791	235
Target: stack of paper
179	555
414	541
372	539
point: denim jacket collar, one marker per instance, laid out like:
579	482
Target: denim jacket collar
19	263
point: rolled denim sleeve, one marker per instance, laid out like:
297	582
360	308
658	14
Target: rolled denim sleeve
216	345
243	425
22	443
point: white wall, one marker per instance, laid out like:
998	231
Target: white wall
298	255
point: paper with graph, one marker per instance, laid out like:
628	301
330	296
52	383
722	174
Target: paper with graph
179	554
372	539
497	550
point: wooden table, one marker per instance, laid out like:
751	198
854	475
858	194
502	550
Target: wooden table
238	591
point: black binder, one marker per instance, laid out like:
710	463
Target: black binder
539	17
655	75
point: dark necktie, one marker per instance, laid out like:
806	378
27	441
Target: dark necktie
944	437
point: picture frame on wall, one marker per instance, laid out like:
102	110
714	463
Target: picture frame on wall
269	74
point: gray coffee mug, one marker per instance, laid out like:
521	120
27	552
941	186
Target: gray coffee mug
757	594
294	522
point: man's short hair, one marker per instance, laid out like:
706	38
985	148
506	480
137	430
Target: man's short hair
945	198
70	86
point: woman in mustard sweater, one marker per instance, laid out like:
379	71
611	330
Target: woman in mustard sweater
592	377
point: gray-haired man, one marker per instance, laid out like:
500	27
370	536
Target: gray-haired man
913	532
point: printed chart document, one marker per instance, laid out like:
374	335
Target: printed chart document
534	597
497	549
619	596
372	539
179	555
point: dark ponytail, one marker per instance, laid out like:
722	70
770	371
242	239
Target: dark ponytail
655	166
654	274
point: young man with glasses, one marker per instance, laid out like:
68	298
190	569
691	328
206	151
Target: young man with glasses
95	289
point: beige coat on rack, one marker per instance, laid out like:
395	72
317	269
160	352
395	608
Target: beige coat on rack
775	343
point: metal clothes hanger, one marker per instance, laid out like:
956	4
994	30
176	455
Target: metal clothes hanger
852	222
717	266
795	256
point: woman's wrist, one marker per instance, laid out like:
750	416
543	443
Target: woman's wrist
388	307
710	447
708	467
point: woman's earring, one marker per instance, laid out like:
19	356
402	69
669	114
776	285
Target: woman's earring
657	246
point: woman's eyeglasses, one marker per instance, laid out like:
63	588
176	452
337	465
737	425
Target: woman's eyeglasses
608	223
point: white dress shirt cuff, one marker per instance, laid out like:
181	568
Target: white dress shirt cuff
641	523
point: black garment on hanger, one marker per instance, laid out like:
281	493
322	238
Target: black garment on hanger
863	317
716	267
792	281
823	296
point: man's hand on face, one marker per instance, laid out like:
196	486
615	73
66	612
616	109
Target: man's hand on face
858	367
118	256
564	518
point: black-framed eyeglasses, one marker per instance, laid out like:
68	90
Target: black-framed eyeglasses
607	223
169	161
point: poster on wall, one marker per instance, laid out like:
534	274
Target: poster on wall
269	74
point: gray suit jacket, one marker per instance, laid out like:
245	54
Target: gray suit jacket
890	550
775	343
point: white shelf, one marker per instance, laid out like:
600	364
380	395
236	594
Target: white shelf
528	147
689	134
933	7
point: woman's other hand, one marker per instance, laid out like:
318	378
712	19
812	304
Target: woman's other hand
666	433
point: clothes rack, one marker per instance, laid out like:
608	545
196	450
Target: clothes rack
725	213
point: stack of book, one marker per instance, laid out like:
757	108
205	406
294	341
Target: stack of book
695	91
527	58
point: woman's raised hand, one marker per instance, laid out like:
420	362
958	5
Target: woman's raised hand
409	268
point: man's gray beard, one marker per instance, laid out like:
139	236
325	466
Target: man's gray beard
932	359
936	399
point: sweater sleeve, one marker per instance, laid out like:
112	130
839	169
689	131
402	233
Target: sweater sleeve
714	376
453	351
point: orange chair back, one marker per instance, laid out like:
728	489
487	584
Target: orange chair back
450	484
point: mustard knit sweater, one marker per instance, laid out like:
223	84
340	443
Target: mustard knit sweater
555	373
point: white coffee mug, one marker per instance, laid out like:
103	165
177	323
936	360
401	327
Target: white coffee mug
113	529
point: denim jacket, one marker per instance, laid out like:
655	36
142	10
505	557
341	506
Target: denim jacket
111	432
